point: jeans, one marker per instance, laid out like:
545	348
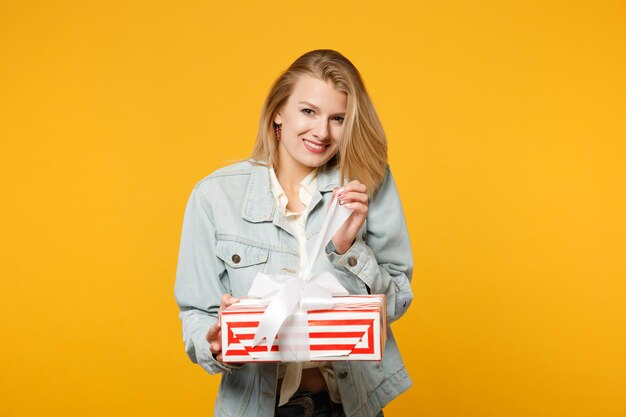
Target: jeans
307	404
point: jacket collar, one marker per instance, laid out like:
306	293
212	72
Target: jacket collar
259	204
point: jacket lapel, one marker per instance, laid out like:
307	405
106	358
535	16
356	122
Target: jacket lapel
327	180
258	204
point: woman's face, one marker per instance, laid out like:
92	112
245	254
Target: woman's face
312	124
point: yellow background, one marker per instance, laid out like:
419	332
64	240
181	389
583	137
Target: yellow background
507	127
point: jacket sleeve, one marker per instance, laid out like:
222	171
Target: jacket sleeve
384	260
200	281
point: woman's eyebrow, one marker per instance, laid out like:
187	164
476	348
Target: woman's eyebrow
310	105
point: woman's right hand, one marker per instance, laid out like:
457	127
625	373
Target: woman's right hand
214	336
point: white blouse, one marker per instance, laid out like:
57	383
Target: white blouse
291	372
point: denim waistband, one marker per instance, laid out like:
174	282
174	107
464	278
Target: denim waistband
307	404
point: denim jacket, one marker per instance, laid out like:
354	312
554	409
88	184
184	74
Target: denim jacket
233	229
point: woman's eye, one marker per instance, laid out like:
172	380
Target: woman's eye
338	119
307	111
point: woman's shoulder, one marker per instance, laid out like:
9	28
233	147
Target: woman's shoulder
237	168
230	177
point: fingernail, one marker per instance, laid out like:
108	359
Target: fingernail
341	190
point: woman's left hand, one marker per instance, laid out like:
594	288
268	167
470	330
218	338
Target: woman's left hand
352	196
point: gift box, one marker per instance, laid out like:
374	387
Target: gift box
354	328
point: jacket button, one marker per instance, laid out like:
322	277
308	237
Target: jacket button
342	374
236	258
352	261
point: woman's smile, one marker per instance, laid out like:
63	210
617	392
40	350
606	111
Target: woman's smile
315	147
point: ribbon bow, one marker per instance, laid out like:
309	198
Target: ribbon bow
291	297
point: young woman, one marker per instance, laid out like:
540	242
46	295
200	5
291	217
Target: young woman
319	138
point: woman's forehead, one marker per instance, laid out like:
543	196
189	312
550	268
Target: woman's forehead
319	93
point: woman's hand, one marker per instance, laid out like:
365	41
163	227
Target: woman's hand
352	196
214	336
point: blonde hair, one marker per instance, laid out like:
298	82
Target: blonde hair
362	151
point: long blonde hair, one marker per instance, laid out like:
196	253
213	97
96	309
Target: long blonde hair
362	151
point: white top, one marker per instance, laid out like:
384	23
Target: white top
291	372
296	220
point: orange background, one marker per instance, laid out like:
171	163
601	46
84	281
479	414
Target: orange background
506	126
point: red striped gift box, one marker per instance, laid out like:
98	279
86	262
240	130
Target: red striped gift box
354	329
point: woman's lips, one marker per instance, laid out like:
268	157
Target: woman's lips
314	146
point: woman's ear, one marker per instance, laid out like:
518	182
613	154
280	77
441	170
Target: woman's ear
278	119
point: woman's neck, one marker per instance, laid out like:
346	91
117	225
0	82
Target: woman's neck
290	177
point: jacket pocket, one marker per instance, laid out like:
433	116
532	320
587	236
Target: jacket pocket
238	254
243	261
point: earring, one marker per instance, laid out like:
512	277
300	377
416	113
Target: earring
277	131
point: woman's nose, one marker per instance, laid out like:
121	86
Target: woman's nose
320	130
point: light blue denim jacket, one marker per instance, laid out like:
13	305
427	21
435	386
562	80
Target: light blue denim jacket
233	212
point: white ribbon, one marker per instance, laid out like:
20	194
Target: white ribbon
291	297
